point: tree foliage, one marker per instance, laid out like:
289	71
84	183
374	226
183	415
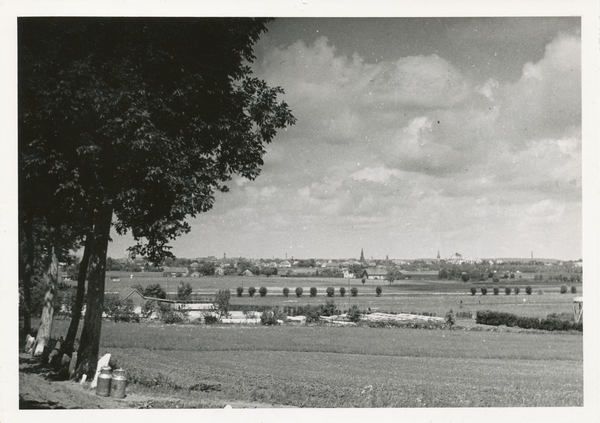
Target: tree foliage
136	123
393	273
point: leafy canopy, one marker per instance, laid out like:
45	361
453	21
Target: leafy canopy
148	115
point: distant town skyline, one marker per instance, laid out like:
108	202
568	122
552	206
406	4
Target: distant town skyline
414	135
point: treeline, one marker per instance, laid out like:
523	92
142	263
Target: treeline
480	272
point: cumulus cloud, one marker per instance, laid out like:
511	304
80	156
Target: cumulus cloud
412	153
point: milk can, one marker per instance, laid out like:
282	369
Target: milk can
119	382
104	381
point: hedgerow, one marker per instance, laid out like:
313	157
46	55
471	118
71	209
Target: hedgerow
551	323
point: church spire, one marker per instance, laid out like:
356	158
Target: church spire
362	256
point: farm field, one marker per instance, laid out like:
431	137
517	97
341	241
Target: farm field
411	296
323	366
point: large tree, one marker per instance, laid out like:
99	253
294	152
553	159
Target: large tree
149	117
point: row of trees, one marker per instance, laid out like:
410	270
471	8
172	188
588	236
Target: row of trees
131	124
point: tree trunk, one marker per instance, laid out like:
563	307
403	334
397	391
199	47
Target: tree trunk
89	346
45	329
27	273
78	306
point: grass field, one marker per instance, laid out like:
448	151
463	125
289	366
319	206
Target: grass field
321	366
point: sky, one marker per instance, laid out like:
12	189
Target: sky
414	135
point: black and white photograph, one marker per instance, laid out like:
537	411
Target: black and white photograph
266	211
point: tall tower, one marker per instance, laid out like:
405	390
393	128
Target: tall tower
362	256
438	256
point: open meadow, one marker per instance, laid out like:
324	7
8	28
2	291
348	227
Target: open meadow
327	366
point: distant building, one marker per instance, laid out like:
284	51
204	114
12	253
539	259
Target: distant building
175	271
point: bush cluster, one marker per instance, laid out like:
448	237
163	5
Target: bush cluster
240	291
354	314
573	289
378	291
354	291
251	291
517	290
563	289
342	291
271	317
313	291
473	290
483	290
262	291
286	291
496	290
330	291
551	323
299	291
119	310
507	290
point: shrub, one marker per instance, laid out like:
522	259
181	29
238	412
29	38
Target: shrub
169	316
329	309
184	291
528	290
354	314
473	290
496	279
342	291
496	290
354	291
573	289
286	291
483	290
512	275
251	291
299	291
465	277
119	310
563	289
313	291
363	281
330	291
449	319
210	319
312	313
378	291
222	302
268	318
155	291
240	291
262	291
507	290
517	290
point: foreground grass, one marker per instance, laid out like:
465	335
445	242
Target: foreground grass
319	366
